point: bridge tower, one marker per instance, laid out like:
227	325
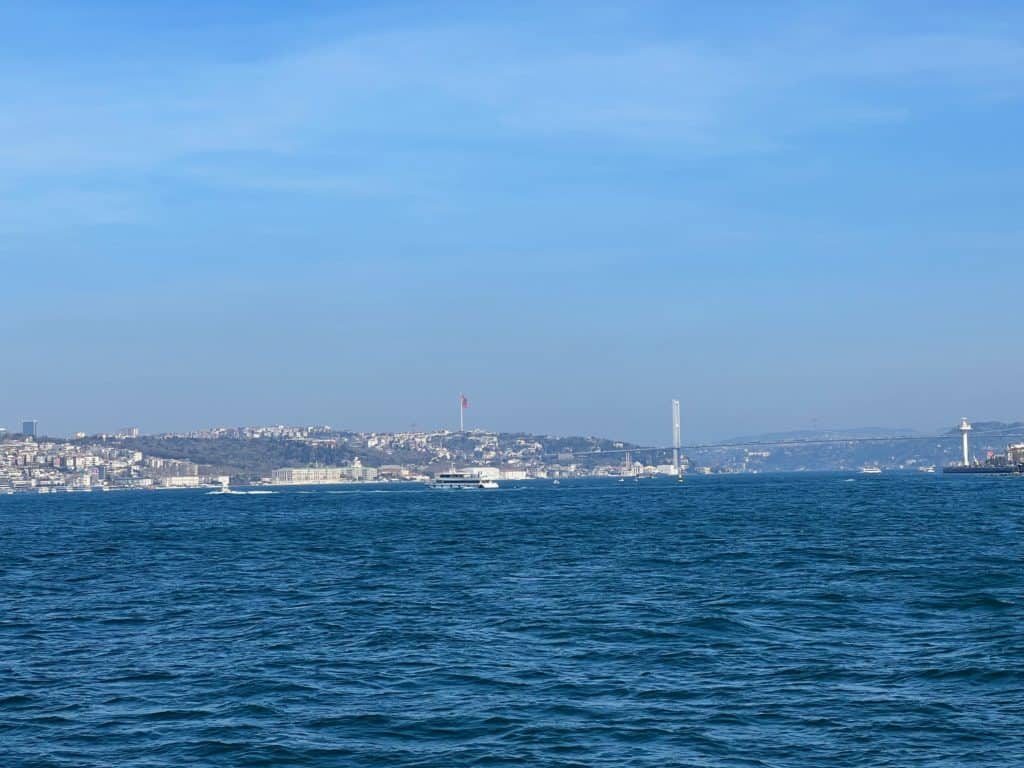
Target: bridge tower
676	440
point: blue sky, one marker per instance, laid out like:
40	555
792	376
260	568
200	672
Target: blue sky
313	212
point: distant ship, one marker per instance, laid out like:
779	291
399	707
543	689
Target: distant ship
930	470
461	481
870	470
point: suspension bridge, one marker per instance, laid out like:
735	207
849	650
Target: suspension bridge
958	433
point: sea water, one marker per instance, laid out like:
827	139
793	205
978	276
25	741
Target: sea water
727	621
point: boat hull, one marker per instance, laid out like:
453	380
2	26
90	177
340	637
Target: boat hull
486	486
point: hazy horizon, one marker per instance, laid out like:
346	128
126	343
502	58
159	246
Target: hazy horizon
662	441
250	213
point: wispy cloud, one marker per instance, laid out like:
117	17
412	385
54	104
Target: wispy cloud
413	89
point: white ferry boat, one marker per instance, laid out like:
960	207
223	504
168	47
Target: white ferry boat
870	470
460	481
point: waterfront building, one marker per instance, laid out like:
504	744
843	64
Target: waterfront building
307	475
364	474
172	467
179	481
356	473
395	471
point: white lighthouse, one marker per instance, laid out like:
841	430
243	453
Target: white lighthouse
965	427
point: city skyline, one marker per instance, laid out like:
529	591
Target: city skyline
236	213
291	455
841	433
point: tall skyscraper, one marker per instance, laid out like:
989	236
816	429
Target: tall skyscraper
30	428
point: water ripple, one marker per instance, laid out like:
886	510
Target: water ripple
770	621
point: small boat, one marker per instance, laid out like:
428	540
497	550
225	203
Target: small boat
871	470
460	481
556	481
930	470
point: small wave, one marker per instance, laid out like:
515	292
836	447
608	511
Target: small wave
718	624
51	720
359	719
142	677
365	491
15	700
981	601
160	715
124	620
239	493
253	709
972	672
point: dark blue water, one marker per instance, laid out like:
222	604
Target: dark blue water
761	621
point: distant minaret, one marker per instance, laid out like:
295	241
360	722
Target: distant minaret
965	427
676	439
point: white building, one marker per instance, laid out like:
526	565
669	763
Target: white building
308	475
356	473
484	473
179	481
